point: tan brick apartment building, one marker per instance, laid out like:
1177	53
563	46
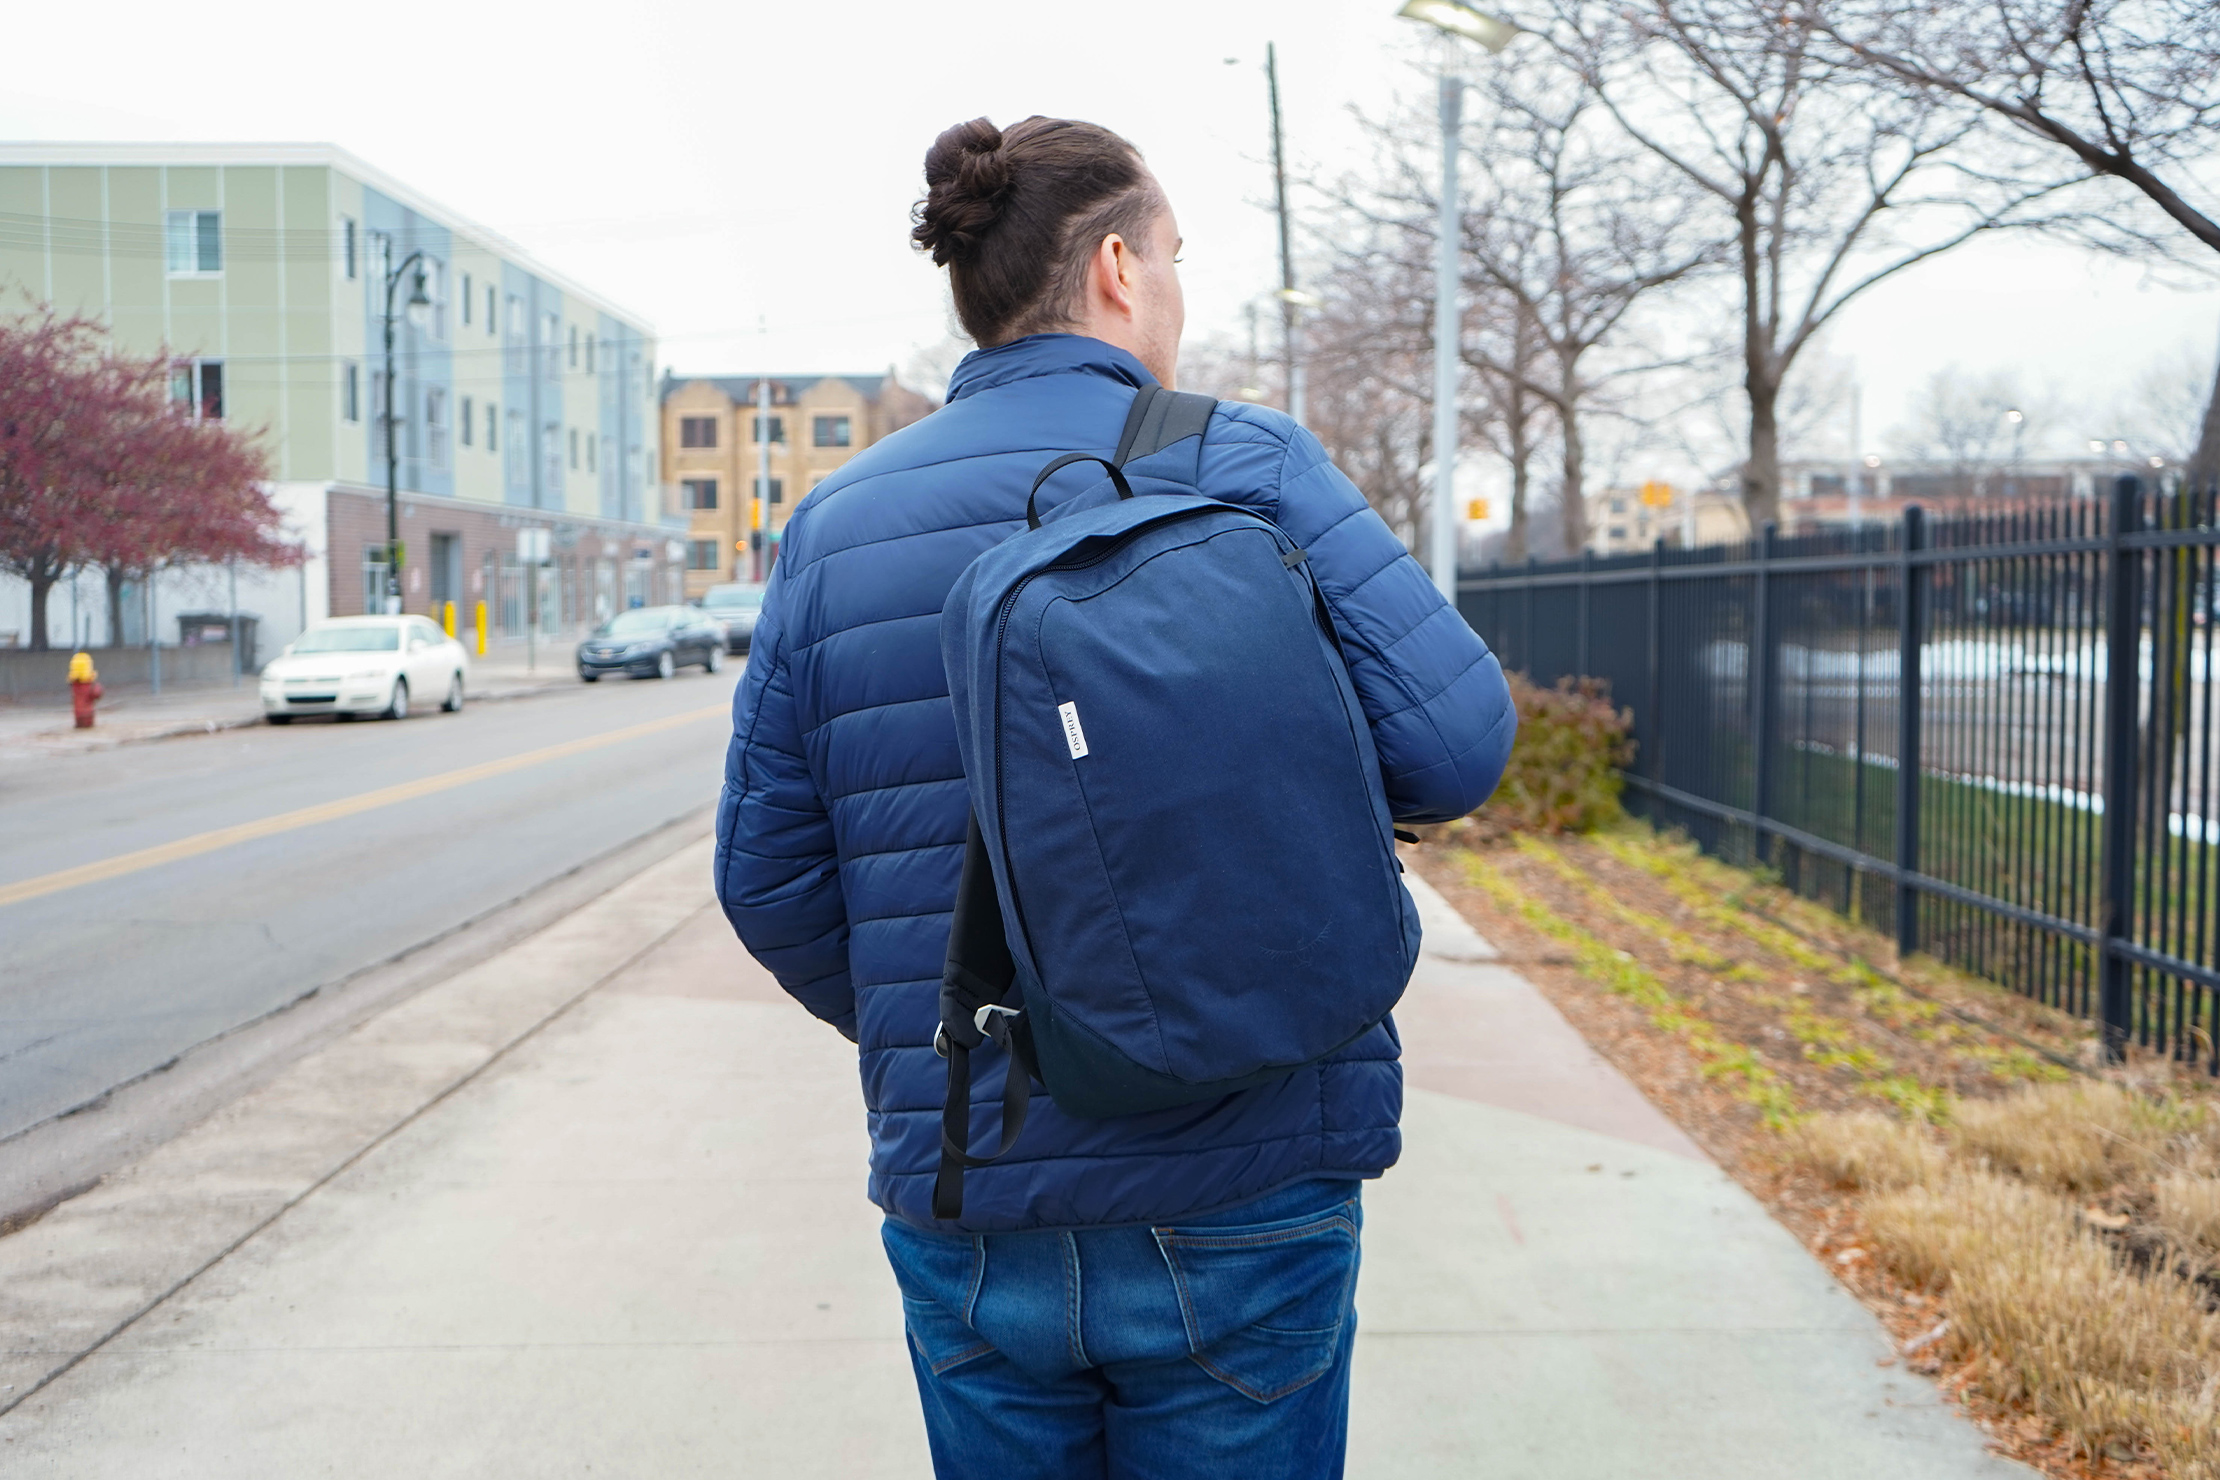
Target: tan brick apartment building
710	448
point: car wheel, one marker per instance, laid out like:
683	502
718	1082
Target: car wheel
453	703
277	719
716	658
585	677
398	706
664	667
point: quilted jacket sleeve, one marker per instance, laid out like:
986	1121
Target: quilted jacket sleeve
778	877
1441	714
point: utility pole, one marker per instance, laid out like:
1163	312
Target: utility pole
759	538
1446	344
1291	298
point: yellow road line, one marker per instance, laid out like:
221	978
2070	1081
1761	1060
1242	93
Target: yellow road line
384	796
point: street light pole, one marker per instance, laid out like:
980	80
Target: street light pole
1446	338
418	300
1292	299
1454	19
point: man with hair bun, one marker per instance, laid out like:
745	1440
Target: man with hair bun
1163	1294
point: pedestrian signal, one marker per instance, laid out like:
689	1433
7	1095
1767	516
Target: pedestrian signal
1657	495
1476	509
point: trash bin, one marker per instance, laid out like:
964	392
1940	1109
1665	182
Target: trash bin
213	629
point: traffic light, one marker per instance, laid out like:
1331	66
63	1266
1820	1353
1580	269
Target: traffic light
1657	495
1476	510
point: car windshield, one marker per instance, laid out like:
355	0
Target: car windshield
725	598
636	623
381	638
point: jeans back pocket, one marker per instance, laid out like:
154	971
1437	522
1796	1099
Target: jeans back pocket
1265	1305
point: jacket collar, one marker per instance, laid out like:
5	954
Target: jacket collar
1044	354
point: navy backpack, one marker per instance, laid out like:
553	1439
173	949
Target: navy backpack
1180	876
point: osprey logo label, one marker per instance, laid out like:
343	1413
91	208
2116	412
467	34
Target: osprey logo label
1074	737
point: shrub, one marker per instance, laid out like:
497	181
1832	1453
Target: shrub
2073	1137
1868	1150
1564	770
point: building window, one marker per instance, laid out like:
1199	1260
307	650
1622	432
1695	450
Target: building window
518	363
350	391
490	301
463	423
704	554
435	425
381	257
574	447
778	428
199	386
551	342
347	246
829	431
697	431
196	243
699	493
467	294
493	427
591	341
520	466
774	490
551	456
574	346
589	446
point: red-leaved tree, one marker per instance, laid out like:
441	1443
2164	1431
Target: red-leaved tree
99	468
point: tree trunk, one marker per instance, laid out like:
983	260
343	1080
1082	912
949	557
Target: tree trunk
2203	474
1761	475
116	575
41	577
1514	428
1575	493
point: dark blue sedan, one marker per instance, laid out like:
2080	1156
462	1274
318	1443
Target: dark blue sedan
652	642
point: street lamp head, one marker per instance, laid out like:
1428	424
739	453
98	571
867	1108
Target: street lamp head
1872	459
2157	461
2119	446
1455	19
1300	299
2015	417
420	302
2096	444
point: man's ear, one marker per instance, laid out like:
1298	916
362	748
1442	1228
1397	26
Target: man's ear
1113	273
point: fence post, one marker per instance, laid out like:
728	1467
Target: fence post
1526	630
1912	579
1657	661
1761	690
1580	647
2123	672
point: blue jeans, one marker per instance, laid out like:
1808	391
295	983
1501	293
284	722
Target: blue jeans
1214	1346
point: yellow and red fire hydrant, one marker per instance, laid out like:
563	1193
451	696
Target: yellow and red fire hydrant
84	689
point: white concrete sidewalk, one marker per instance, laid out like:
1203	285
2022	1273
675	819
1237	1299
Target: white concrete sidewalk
130	715
627	1236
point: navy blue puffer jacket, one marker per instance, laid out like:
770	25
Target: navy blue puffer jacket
840	832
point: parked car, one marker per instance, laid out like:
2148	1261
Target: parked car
737	604
352	666
652	641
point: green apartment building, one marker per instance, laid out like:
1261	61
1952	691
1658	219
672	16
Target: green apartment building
523	400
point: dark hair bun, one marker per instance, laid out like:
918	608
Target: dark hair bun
968	181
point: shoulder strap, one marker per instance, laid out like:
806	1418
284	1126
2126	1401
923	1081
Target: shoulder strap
978	992
1161	419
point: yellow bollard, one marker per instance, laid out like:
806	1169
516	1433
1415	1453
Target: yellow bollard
481	629
448	617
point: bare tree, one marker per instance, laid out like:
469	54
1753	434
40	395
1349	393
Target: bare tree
1828	185
1964	421
1574	225
2128	89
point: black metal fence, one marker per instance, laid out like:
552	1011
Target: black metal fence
2047	670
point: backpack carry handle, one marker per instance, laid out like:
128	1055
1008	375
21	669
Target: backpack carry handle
1125	489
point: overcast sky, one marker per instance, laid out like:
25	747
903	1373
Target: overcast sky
723	167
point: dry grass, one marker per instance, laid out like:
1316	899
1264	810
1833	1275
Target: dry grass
2119	1359
1869	1151
2075	1137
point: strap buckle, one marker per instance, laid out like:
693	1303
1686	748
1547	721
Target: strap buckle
983	1020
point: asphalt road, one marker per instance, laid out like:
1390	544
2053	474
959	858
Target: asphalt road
154	896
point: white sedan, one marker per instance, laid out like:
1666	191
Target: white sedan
352	666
